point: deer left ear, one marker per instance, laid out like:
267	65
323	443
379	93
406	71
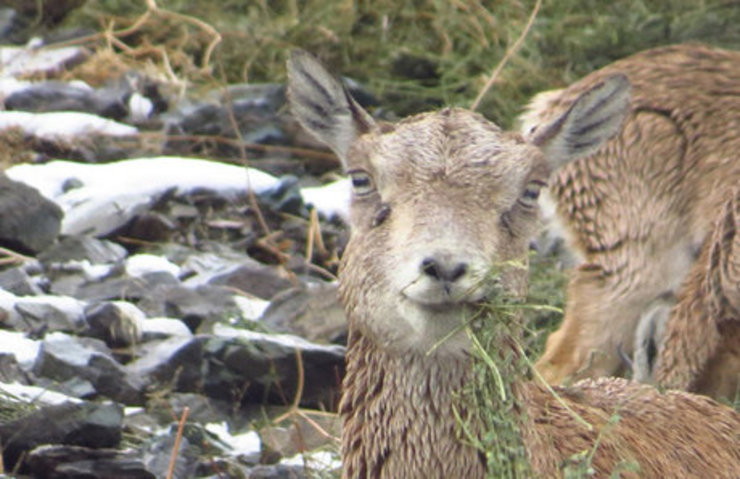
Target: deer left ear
323	106
595	117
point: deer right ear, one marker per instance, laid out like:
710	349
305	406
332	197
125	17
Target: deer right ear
323	106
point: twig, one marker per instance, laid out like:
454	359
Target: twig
299	389
509	53
178	439
13	257
320	246
245	161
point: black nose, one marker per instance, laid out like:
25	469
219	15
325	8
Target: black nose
443	271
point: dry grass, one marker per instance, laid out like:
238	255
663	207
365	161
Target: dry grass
415	55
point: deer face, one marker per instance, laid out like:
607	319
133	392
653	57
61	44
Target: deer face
439	201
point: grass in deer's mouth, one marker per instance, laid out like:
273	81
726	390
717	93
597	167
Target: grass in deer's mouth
501	347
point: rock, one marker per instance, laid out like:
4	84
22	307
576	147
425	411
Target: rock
301	433
125	288
50	313
157	453
75	462
58	96
30	222
118	323
81	248
67	279
264	367
254	109
18	282
254	278
176	362
285	197
311	311
198	307
150	227
11	371
85	424
64	357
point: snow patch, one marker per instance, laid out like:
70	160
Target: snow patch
63	125
33	394
25	350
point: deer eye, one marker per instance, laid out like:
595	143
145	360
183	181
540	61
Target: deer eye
362	182
531	193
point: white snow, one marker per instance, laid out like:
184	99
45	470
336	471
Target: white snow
316	460
142	264
93	272
165	326
28	60
245	444
25	350
140	107
251	308
63	125
8	86
330	199
35	394
112	193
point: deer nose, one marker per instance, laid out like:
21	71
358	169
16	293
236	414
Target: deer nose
443	270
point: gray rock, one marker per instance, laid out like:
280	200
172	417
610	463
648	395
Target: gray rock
301	433
117	323
254	278
79	248
64	357
157	453
49	313
75	462
125	288
311	311
11	371
30	222
261	368
59	96
175	362
18	282
198	307
85	424
285	197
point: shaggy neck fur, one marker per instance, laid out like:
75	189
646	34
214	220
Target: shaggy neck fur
398	416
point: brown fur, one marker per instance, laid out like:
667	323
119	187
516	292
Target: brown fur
437	200
639	209
701	348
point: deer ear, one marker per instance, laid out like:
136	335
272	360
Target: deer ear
323	106
591	120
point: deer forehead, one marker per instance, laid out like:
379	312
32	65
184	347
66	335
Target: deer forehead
451	153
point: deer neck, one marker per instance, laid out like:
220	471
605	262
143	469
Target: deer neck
398	418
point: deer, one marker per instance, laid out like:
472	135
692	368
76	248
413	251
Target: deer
699	349
637	212
437	199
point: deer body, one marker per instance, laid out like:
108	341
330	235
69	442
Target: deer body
438	199
638	211
700	349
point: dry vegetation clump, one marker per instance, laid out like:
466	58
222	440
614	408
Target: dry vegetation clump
414	55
